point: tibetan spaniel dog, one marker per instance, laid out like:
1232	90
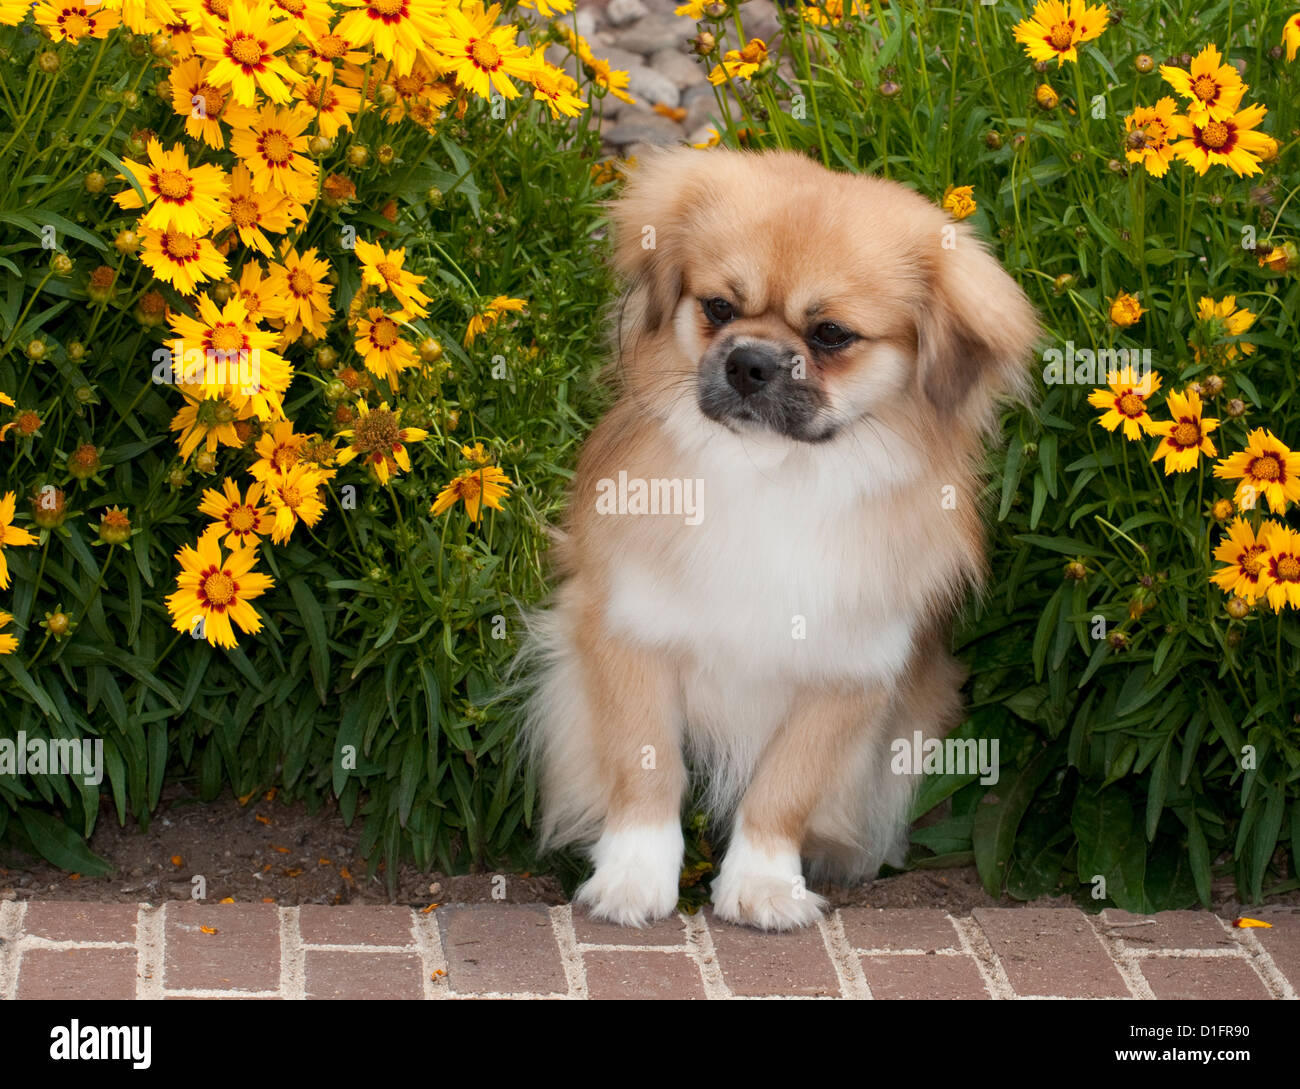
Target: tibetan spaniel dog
769	532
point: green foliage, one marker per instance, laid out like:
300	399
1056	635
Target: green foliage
1167	750
382	631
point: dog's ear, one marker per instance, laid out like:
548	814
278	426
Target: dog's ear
649	222
976	331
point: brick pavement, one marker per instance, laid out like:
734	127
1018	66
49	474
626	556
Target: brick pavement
63	949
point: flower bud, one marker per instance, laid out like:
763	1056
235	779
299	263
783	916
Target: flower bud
114	527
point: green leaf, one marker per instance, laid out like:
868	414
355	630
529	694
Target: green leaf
60	845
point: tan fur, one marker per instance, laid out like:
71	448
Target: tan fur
790	236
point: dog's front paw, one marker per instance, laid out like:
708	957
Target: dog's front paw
764	889
636	878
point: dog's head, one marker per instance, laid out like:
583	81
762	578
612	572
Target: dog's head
783	297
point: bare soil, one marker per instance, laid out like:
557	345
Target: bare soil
267	850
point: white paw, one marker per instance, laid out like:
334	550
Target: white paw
637	873
764	889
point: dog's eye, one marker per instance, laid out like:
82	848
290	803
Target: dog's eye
830	335
719	311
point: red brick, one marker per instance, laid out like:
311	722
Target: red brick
336	974
1167	929
757	964
1051	951
905	928
68	921
1202	977
501	948
355	924
1282	941
79	974
243	954
921	976
671	931
642	975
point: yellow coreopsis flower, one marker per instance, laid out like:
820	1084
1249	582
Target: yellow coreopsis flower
1280	578
1125	310
398	28
13	12
1213	89
243	48
1291	36
295	497
1125	402
740	63
483	56
72	22
307	14
1243	553
258	291
831	12
481	323
242	520
1150	130
959	201
10	535
1056	29
181	197
252	213
1231	141
212	591
1266	467
8	643
143	16
273	148
383	269
206	421
182	260
205	105
1222	318
379	342
379	439
560	93
478	488
301	282
1186	437
331	105
226	355
278	450
547	8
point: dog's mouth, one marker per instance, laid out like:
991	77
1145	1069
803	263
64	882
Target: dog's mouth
754	386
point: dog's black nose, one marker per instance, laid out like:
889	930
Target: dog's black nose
750	369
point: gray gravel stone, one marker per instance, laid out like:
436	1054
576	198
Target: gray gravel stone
682	68
649	87
656	32
622	12
586	23
643	128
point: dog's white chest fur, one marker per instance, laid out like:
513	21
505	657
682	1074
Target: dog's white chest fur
783	578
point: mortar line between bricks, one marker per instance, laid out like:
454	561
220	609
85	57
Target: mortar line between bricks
151	943
575	969
1125	962
35	941
848	968
199	992
699	940
328	947
12	914
597	947
975	942
293	960
910	952
1264	964
428	939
